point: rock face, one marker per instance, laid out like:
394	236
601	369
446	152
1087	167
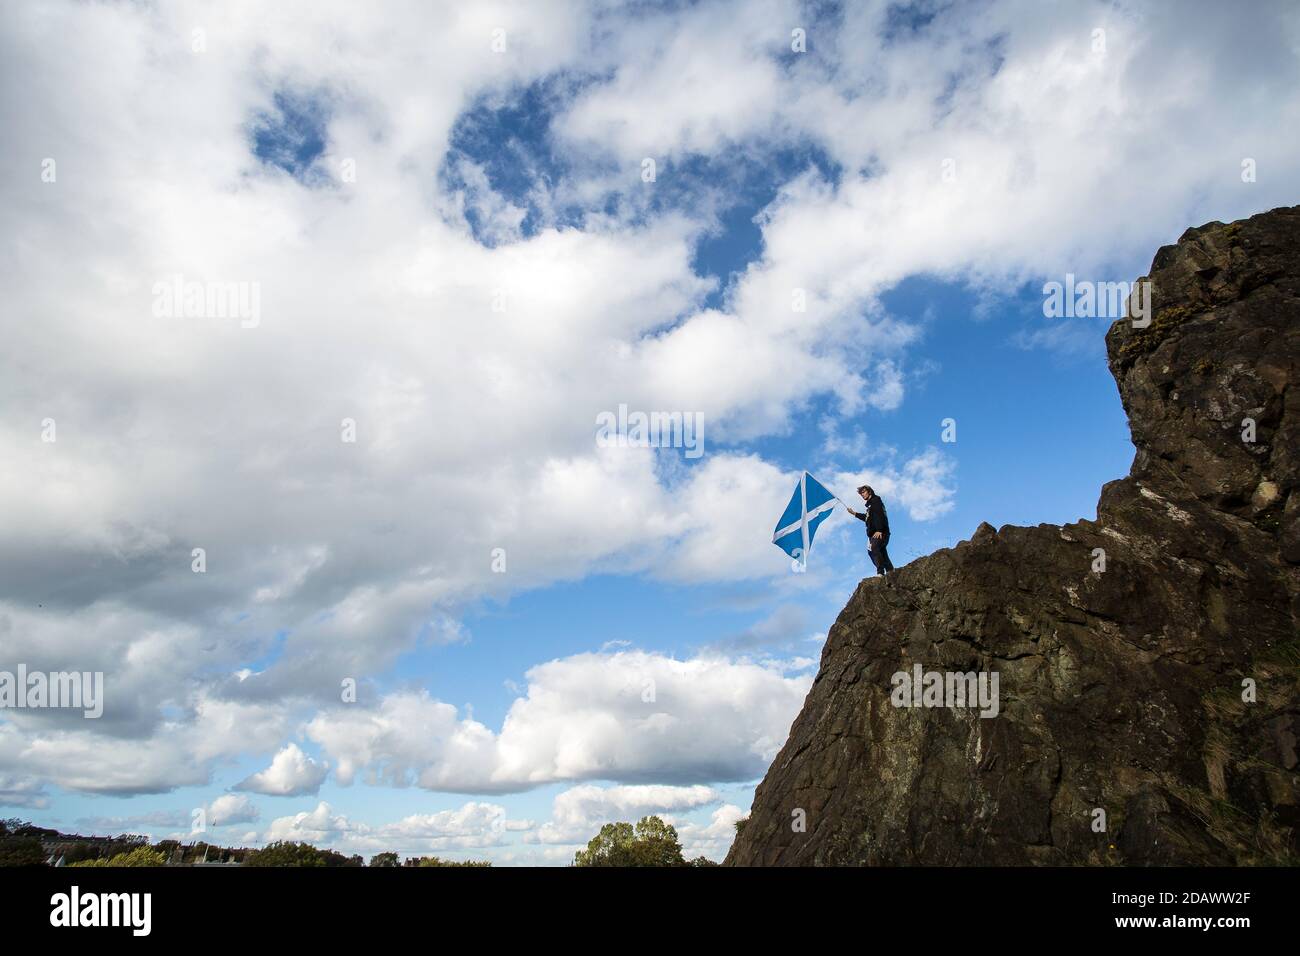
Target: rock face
1120	690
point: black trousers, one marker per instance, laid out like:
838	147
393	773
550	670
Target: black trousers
880	553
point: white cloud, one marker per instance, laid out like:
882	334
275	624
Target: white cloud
321	826
179	751
473	825
292	773
225	810
714	838
329	559
579	812
695	83
630	716
231	808
922	485
17	791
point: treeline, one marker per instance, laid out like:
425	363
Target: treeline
25	844
650	842
285	853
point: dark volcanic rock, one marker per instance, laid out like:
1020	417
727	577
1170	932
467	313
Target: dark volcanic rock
1120	690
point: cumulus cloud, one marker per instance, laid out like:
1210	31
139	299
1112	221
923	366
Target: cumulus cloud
231	808
320	826
179	752
695	83
472	346
923	484
712	839
473	825
292	773
16	791
579	812
485	830
631	715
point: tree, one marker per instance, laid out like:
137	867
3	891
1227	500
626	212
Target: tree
78	852
650	843
288	853
20	844
384	859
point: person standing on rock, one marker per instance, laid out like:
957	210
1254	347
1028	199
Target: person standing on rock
877	522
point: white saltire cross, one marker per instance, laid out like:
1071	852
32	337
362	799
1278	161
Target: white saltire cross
802	523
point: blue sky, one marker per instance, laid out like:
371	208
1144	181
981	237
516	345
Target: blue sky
463	256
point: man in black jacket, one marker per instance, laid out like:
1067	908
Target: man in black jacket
877	523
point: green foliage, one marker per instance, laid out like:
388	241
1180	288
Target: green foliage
20	844
103	851
140	856
384	859
77	853
650	843
288	853
438	861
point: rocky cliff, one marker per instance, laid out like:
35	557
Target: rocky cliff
1148	663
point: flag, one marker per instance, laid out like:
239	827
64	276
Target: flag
809	506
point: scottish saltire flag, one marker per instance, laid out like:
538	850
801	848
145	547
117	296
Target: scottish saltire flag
810	505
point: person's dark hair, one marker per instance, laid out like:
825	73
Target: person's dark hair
867	488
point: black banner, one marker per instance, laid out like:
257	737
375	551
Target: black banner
307	905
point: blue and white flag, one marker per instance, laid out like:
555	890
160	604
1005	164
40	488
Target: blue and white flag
810	505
